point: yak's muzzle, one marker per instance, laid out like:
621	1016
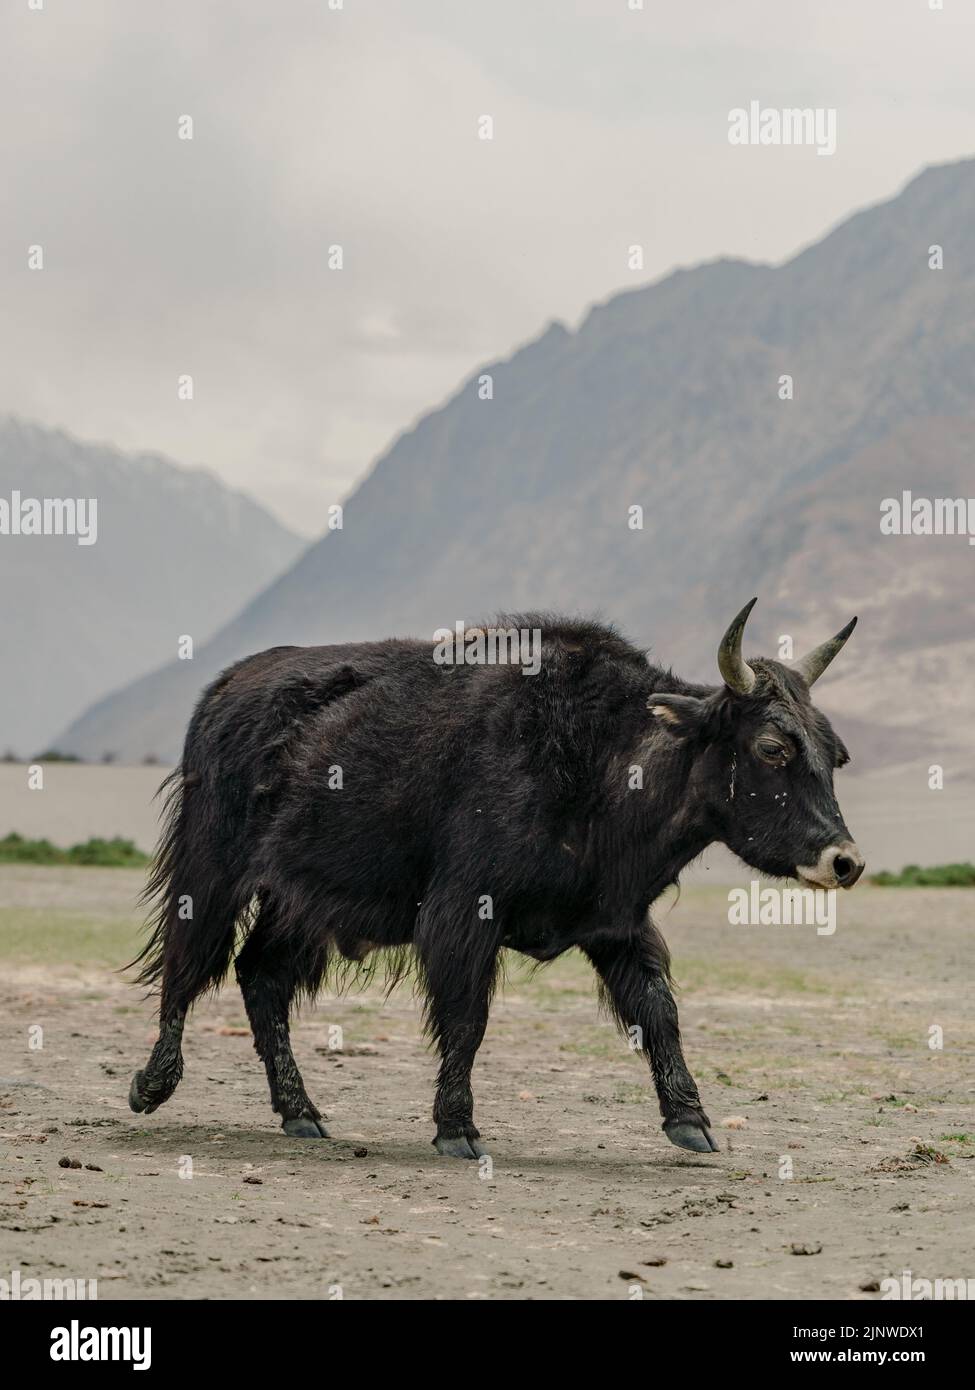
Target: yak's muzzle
839	866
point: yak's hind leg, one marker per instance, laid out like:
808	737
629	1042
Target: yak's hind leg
158	1079
270	972
193	927
187	959
459	976
635	977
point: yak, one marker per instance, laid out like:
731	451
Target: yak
337	800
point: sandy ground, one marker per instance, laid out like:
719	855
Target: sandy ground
815	1047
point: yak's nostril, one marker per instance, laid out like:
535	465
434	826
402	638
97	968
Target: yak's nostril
838	866
847	867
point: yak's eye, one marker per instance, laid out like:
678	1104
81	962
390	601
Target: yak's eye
772	751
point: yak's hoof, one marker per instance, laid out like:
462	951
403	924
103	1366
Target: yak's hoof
304	1128
691	1134
460	1147
137	1101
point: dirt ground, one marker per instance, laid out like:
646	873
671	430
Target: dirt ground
812	1054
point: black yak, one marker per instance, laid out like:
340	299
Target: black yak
335	800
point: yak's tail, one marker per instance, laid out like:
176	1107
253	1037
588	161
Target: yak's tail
195	908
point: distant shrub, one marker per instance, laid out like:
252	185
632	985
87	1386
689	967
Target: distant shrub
937	876
16	850
54	755
115	853
105	854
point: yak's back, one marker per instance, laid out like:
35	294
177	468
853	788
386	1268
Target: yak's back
262	706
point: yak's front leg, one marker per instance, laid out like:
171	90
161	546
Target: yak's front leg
635	975
459	978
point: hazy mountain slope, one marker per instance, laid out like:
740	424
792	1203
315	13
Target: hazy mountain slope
176	553
667	397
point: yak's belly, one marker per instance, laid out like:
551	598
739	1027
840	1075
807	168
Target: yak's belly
355	931
544	933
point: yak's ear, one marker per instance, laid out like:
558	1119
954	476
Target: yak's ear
681	715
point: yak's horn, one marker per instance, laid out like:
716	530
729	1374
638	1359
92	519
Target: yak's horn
814	663
737	673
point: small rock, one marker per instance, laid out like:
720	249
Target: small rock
724	1264
257	1182
734	1122
805	1247
655	1260
360	1152
869	1286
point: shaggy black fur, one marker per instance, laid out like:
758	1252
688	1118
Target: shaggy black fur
334	800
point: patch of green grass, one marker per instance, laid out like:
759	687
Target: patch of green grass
958	1138
568	972
597	1044
630	1093
838	1097
935	876
897	1042
756	977
769	1072
42	936
105	854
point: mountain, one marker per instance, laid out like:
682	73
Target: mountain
175	553
668	397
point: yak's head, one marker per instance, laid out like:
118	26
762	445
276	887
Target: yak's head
764	762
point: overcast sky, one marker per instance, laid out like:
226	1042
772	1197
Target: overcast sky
359	127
